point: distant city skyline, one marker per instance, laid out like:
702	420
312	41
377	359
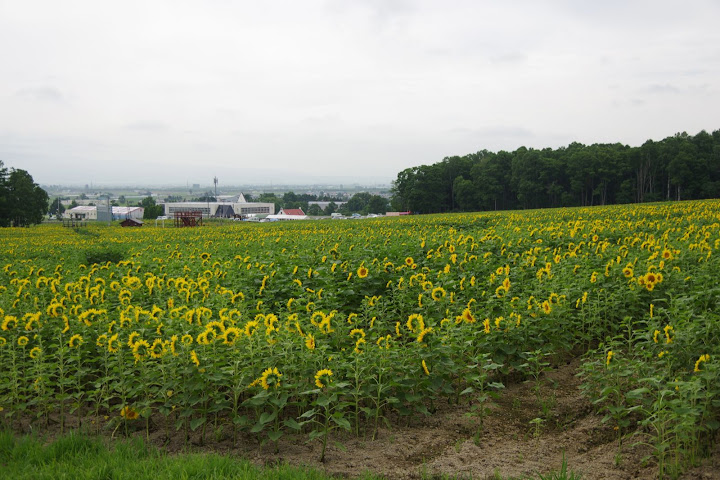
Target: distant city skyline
202	187
334	91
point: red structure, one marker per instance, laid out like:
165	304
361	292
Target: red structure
192	218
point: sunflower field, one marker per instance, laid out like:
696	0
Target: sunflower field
306	328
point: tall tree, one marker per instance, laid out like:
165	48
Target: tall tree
151	209
357	203
22	201
402	189
376	204
678	167
56	207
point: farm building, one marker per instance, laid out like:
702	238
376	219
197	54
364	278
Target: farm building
220	209
90	212
122	213
81	212
131	222
289	214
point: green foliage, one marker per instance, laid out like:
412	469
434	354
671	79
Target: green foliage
314	210
56	207
102	255
681	167
365	203
210	330
22	201
152	209
331	208
82	457
563	474
483	389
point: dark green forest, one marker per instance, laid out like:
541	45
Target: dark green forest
681	167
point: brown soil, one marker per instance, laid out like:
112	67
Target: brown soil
444	444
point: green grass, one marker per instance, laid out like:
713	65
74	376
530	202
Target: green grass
78	456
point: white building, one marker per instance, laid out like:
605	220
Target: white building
81	212
239	198
289	214
220	209
123	213
89	212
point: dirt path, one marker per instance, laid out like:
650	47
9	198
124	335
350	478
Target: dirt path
508	446
443	444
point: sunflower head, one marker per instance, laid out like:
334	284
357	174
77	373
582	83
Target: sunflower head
323	375
438	293
157	349
75	341
128	413
231	335
546	307
113	344
270	378
250	327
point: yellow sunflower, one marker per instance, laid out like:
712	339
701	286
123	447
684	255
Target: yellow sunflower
128	413
270	377
113	344
75	341
325	372
438	293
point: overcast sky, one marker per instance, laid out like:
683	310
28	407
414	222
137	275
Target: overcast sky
159	92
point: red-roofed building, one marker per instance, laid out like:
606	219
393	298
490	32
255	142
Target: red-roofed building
291	211
289	214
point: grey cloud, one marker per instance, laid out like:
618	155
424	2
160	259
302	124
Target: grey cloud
694	72
204	147
45	94
495	131
388	83
381	8
510	58
662	89
147	126
323	120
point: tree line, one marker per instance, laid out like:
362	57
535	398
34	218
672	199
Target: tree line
22	201
362	202
680	167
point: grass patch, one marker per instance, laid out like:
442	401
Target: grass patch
78	456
